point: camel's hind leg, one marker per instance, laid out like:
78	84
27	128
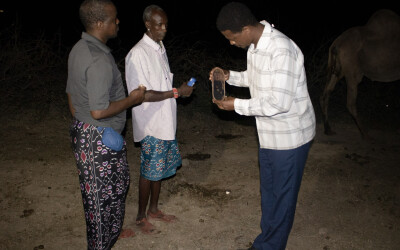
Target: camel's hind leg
352	91
324	101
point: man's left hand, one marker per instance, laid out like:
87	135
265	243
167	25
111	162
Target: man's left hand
228	103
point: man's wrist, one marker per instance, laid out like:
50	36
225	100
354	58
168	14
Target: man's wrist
176	93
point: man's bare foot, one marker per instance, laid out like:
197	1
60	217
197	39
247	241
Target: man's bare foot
127	233
146	227
161	216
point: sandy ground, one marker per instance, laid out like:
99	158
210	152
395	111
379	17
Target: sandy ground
349	198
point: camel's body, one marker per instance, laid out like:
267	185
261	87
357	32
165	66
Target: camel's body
372	51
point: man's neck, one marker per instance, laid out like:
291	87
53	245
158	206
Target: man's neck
97	35
257	33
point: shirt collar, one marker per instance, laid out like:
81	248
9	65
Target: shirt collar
95	41
265	36
156	46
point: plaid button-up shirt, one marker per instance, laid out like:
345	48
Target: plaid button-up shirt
279	100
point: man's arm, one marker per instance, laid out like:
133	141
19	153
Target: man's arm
156	96
135	97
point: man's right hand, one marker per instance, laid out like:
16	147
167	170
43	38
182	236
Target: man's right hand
138	94
185	90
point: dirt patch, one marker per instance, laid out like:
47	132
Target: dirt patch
349	198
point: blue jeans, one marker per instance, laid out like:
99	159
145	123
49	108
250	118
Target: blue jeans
281	172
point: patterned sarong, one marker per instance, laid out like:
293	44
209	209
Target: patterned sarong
104	181
159	158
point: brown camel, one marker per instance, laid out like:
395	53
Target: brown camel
371	51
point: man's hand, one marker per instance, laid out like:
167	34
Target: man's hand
184	90
138	94
228	103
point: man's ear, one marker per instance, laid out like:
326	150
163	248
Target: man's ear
147	24
246	29
99	24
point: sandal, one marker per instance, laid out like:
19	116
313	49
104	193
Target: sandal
146	227
161	216
218	84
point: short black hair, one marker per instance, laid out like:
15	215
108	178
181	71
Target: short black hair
92	11
234	16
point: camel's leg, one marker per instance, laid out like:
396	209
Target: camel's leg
352	91
324	101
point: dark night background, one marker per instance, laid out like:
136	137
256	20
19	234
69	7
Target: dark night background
350	193
192	35
306	23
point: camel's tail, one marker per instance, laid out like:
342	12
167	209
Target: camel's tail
334	67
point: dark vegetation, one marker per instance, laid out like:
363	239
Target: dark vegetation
33	74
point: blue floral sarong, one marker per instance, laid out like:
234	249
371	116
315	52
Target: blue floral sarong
159	158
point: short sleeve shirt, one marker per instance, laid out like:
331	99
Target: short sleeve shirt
94	81
147	64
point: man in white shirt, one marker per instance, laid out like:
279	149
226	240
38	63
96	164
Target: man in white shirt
283	111
154	121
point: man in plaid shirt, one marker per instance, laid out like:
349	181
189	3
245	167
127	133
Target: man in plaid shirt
283	111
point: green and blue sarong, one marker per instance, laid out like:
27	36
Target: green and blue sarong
159	158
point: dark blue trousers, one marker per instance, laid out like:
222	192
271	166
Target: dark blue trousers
281	172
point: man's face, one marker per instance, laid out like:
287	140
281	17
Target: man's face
239	39
111	23
157	25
